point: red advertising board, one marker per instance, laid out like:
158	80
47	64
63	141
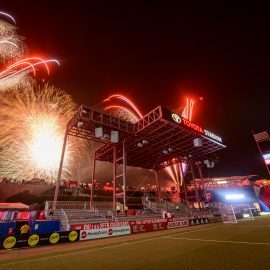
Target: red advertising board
99	225
177	223
141	227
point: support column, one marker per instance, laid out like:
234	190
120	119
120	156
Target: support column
59	172
124	172
114	178
195	184
158	184
202	179
267	168
93	178
184	182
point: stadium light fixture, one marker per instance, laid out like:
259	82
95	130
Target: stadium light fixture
106	137
197	142
80	124
234	196
139	144
221	182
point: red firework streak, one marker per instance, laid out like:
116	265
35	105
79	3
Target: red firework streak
24	65
128	102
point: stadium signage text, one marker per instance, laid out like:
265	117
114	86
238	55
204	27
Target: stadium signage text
212	135
104	232
186	123
178	224
99	225
181	120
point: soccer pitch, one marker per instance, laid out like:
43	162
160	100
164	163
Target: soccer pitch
245	245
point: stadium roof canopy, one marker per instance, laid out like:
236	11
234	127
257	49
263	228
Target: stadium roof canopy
13	206
157	140
229	180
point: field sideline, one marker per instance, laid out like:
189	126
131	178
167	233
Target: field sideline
245	245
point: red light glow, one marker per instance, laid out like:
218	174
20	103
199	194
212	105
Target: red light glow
122	108
188	110
128	101
192	125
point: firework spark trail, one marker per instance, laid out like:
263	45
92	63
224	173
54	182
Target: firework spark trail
32	126
8	42
128	112
124	109
9	77
12	46
126	100
6	15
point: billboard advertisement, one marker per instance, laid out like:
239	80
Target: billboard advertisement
140	227
104	232
178	224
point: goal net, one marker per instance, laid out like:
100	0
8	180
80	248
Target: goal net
242	212
233	213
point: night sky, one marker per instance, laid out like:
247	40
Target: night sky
157	54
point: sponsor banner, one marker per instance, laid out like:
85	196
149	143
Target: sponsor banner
147	221
178	224
9	242
104	232
31	240
148	227
198	221
99	225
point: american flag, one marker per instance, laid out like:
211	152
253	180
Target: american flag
262	136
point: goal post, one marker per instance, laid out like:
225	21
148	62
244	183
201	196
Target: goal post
227	213
233	213
243	212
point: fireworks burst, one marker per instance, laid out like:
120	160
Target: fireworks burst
12	46
7	16
32	126
17	73
129	111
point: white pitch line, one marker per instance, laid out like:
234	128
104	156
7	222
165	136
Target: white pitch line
242	226
216	241
101	248
191	231
82	251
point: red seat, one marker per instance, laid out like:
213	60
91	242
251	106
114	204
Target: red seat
2	215
19	216
41	215
23	216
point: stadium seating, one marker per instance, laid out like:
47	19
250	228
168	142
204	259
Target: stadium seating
156	208
265	195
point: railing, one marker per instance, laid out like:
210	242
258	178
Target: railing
110	214
64	221
67	205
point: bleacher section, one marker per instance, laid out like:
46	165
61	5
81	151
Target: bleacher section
79	212
179	209
265	195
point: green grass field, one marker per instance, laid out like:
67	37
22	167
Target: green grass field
245	245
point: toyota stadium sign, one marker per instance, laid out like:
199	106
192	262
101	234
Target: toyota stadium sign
184	122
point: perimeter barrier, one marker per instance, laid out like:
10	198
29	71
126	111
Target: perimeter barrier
81	232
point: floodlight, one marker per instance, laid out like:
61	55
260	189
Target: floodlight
139	144
234	196
80	124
